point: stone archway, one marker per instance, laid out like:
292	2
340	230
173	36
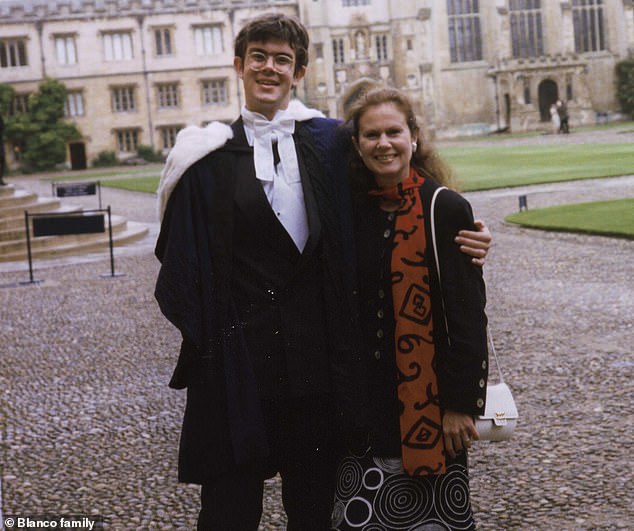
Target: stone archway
548	94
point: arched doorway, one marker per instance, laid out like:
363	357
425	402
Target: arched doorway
548	95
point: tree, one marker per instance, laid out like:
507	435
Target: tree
6	97
625	84
42	129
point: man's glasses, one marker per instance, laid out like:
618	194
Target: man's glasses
282	63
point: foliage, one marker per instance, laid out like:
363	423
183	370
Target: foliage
7	93
105	159
625	85
42	130
148	154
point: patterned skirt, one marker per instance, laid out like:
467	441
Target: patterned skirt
375	494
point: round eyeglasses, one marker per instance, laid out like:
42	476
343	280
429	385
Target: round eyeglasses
282	63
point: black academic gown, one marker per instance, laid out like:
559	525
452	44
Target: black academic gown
195	289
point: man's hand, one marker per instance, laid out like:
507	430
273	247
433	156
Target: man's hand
475	243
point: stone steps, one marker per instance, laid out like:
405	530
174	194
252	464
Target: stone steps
18	243
18	198
38	204
13	244
13	227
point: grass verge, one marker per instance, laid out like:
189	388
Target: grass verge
148	183
483	168
606	218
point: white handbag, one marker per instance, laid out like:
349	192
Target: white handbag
500	412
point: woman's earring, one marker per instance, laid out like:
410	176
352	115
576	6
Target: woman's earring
414	146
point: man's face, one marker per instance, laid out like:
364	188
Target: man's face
268	75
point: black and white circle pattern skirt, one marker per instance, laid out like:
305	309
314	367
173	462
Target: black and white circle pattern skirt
375	494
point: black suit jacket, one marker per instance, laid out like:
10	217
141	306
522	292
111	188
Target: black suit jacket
278	291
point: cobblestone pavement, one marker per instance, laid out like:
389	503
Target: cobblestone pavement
88	425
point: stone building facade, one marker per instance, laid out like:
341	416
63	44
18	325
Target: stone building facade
136	71
471	65
139	70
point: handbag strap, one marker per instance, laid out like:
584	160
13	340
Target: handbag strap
442	297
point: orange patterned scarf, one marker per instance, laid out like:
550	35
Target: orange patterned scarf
422	444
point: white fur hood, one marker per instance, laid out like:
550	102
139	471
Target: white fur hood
193	143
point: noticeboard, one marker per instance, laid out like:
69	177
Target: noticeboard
75	189
71	224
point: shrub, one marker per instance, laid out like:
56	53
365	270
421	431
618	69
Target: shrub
105	158
147	153
625	85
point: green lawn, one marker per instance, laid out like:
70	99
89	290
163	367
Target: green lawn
494	166
483	168
94	175
135	184
608	218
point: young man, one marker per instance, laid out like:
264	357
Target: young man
257	274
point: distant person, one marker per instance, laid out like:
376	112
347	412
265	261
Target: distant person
554	119
562	111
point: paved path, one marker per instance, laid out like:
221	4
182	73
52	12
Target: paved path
88	425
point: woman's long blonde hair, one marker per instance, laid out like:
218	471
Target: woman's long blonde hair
425	158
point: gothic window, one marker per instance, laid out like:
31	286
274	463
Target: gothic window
587	19
117	46
168	135
19	104
163	41
526	28
337	51
123	99
13	52
127	140
214	91
74	104
167	95
66	49
527	90
380	42
465	40
208	40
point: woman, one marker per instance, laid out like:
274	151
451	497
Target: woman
555	120
424	384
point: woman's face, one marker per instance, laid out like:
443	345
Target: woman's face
385	143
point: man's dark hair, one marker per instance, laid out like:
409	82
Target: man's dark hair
275	26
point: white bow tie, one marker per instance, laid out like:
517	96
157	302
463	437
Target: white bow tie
264	131
287	198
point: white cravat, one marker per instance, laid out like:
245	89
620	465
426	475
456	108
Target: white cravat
282	184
